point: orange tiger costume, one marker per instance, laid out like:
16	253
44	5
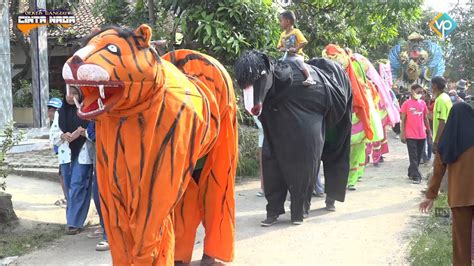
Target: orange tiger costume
153	125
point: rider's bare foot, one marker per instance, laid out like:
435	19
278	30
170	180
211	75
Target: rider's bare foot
309	82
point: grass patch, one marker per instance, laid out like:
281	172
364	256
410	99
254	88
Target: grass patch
433	245
16	241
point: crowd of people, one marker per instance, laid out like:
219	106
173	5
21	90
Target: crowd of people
424	122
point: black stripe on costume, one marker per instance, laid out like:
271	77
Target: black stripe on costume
130	86
146	58
172	148
141	126
190	57
173	57
215	178
191	145
141	88
216	122
104	154
134	55
118	139
116	75
122	146
106	60
157	165
163	106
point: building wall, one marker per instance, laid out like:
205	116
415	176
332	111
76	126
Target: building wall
18	57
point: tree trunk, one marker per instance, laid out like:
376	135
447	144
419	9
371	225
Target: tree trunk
24	45
7	214
151	13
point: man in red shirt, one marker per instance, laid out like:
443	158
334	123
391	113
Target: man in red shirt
414	130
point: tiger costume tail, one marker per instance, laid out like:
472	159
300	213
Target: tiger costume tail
209	197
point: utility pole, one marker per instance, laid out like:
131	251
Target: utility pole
6	106
39	69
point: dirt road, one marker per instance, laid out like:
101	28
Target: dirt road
371	227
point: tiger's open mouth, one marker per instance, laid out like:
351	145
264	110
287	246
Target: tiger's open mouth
99	93
98	96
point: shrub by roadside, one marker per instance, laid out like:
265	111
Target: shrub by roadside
433	246
248	145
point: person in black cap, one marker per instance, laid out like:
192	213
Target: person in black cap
461	89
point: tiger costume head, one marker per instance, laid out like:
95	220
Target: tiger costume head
117	72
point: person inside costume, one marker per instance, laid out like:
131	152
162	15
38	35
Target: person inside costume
54	105
75	160
302	125
364	122
166	138
455	155
292	42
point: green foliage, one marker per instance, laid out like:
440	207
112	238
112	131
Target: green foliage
460	54
22	95
113	11
360	25
248	142
225	28
432	246
7	140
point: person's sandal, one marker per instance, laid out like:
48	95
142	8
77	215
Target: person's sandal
95	234
60	202
73	230
102	246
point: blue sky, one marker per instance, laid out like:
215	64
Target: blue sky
443	5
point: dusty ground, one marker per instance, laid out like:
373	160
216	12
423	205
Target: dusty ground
371	227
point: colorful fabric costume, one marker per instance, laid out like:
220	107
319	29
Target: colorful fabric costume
389	112
416	61
366	122
153	124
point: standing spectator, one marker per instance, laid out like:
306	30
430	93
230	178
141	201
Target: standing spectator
53	106
456	153
441	109
103	245
453	94
75	161
428	150
461	89
414	128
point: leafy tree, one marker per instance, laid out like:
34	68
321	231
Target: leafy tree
225	28
460	53
360	25
8	141
113	11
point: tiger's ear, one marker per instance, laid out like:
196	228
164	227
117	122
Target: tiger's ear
143	36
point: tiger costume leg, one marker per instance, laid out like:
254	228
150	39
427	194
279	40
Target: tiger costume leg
153	125
210	197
